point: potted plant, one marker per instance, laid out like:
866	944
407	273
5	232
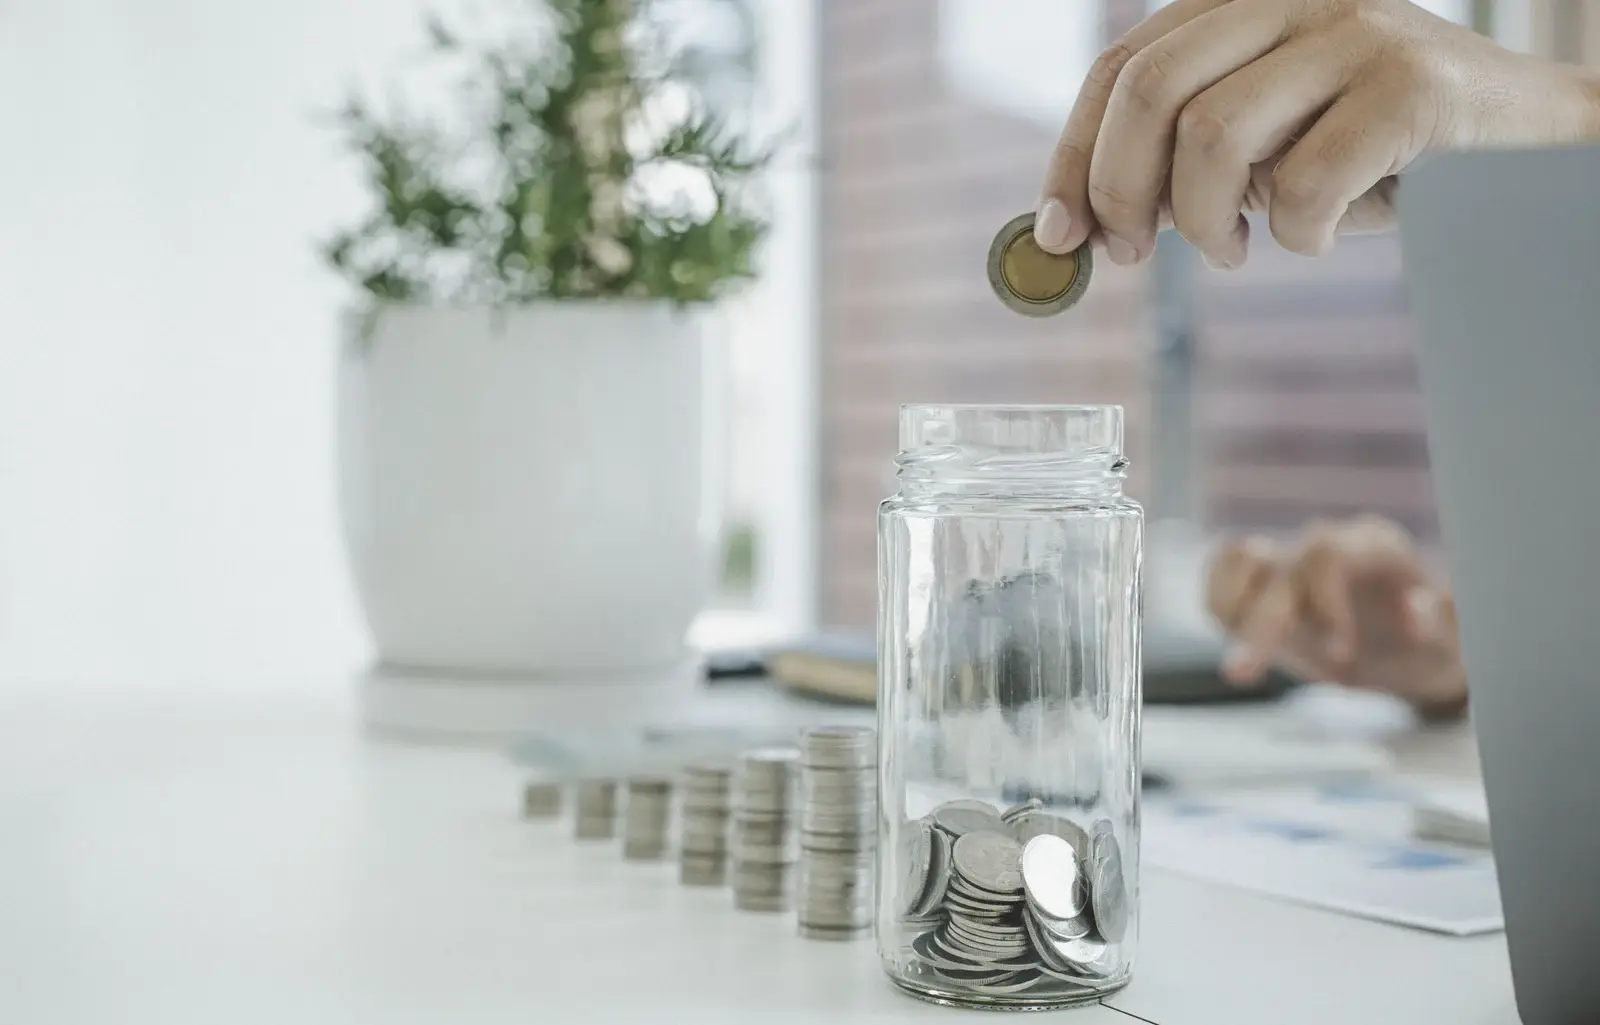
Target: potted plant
521	442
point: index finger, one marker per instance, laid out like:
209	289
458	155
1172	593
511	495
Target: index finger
1065	216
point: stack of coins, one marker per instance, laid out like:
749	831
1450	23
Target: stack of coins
647	818
595	817
703	841
1009	904
541	799
838	831
764	849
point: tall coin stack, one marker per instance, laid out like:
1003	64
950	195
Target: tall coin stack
703	842
838	831
595	817
764	850
647	818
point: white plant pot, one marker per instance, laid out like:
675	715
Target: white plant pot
524	505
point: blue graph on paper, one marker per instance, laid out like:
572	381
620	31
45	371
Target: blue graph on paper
1346	848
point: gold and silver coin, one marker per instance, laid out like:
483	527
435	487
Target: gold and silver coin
1029	280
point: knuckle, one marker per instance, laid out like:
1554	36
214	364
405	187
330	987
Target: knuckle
1149	80
1070	152
1107	67
1376	19
1203	129
1297	188
1110	203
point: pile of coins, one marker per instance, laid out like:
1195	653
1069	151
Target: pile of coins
703	839
764	851
838	831
541	799
595	817
1006	904
647	819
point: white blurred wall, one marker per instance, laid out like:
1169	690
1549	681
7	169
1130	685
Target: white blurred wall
167	335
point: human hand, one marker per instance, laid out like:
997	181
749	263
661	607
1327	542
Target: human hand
1305	110
1349	603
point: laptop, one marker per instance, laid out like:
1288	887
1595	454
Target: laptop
1502	261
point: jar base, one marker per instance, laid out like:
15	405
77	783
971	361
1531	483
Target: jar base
934	994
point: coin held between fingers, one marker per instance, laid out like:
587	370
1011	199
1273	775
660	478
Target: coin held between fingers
1031	281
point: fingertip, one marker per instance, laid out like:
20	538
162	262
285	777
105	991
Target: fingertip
1055	229
1241	667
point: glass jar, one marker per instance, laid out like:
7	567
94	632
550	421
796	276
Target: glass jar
1009	691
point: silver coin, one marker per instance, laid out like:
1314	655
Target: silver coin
1110	897
987	942
830	934
957	958
1035	822
916	861
1051	877
990	861
1074	980
966	816
1020	983
968	978
1044	945
939	872
1064	929
930	952
1090	955
1031	804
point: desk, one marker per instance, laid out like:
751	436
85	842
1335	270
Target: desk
250	858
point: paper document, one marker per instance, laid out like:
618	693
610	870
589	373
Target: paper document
1457	814
1346	848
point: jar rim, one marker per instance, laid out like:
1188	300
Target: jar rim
984	431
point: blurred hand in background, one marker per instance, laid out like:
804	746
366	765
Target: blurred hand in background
1348	603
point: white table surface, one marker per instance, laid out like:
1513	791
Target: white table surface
241	858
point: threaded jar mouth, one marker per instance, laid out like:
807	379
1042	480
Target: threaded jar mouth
1010	442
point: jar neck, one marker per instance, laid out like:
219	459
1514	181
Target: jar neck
956	472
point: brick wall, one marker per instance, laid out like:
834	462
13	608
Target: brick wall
1307	403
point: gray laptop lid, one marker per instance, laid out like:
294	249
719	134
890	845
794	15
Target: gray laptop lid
1502	258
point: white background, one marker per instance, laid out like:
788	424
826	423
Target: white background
167	336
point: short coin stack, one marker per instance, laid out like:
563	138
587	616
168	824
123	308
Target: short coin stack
647	819
541	799
1025	902
595	817
703	842
764	851
838	831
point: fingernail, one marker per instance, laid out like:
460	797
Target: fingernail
1121	252
1053	225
